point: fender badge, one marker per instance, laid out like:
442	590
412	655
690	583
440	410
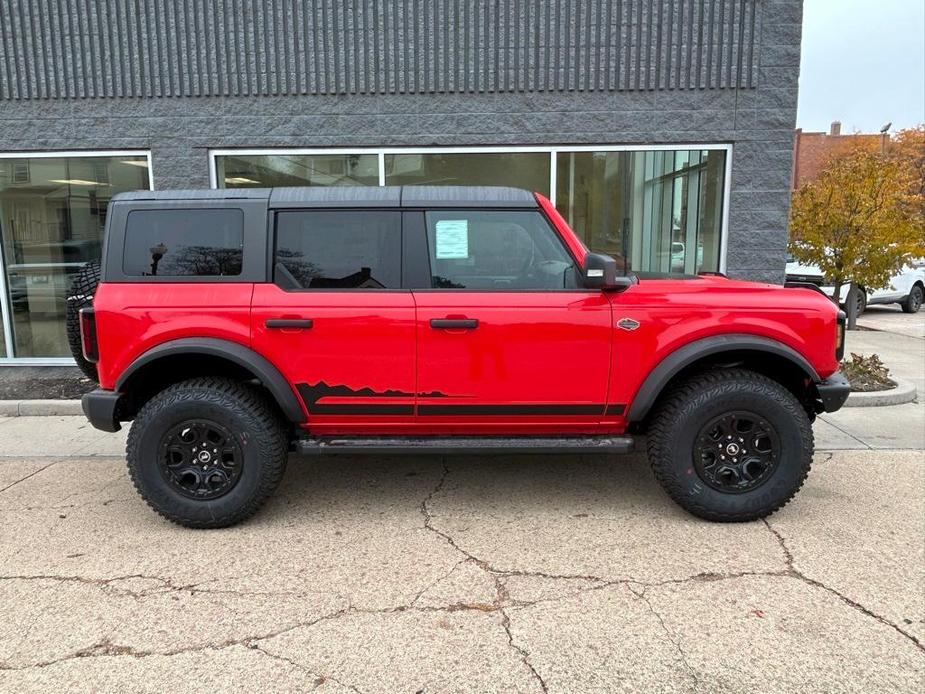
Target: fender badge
628	324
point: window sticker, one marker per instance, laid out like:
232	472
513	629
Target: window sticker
452	238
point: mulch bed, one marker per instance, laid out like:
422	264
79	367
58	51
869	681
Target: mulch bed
45	388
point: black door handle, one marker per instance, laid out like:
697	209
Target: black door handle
289	322
442	323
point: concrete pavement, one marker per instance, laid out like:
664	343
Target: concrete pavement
508	574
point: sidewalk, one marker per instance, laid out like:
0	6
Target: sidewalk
892	335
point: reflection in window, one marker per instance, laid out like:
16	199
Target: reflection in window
183	243
52	216
655	211
338	250
272	170
528	170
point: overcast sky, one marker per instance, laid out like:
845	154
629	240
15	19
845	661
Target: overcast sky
863	64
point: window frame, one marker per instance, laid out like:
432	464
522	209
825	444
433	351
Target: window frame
254	263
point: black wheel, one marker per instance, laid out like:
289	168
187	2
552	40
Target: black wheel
913	302
207	453
730	445
83	287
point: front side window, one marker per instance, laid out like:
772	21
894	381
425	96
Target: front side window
184	243
497	250
343	249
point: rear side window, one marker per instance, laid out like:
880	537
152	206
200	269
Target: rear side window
184	243
497	250
343	249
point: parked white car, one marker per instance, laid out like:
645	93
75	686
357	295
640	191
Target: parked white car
906	288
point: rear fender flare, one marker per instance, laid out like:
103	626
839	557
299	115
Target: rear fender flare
264	371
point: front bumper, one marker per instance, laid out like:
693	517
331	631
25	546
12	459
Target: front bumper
833	391
102	409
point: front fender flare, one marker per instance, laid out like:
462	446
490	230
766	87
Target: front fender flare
268	375
684	356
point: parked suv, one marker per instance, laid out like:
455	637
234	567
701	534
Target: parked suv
234	326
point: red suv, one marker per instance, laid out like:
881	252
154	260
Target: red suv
235	326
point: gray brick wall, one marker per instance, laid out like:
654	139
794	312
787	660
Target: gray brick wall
756	113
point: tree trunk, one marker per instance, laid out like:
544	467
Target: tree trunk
851	306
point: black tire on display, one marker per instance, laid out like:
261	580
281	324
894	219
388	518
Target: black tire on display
83	287
913	302
208	452
730	445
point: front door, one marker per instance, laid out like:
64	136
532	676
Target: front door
336	321
507	341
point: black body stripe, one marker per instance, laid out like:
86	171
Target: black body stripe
616	409
471	410
362	409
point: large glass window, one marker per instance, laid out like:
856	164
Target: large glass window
338	250
528	170
52	216
497	250
655	211
184	243
271	170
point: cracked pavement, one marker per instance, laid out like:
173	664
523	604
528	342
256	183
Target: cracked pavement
552	574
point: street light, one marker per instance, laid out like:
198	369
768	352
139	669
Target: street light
884	136
157	252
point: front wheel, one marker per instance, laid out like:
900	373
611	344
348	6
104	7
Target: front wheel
730	445
207	453
913	302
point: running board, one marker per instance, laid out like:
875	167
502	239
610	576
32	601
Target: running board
463	445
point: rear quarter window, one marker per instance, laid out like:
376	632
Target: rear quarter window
184	243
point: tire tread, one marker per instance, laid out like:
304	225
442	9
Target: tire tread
270	436
687	395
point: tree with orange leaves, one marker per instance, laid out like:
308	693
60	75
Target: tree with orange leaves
861	221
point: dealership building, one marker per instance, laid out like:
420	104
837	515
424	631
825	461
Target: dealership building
661	129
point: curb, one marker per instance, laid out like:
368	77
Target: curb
40	408
903	392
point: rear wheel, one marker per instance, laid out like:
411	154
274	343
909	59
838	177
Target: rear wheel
83	287
207	453
730	445
913	302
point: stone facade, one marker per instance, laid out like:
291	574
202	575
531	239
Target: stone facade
677	87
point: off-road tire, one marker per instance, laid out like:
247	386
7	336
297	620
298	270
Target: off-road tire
913	302
690	405
83	287
240	408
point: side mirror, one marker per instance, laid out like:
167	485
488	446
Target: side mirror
600	272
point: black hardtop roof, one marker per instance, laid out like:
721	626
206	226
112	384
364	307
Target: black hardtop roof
352	196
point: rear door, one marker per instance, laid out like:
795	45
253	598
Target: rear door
336	321
507	340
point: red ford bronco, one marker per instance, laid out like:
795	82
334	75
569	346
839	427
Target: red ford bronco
234	326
